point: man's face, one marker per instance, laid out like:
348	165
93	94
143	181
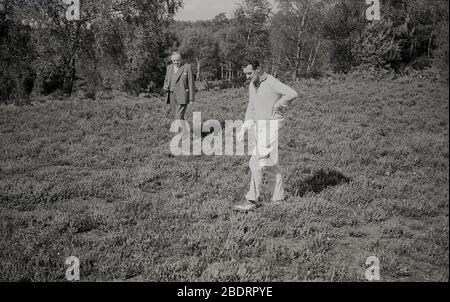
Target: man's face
176	60
251	74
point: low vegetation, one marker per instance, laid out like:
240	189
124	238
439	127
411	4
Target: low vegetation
366	171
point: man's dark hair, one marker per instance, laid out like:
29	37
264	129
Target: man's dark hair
253	62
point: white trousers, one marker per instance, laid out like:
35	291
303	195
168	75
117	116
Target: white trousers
264	161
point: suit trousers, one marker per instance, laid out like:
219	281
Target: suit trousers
264	161
176	111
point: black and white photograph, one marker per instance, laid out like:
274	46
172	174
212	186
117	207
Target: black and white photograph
224	142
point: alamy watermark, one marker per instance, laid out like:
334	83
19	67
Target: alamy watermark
373	271
73	271
373	11
262	138
73	11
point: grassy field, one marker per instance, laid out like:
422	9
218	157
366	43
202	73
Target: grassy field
366	171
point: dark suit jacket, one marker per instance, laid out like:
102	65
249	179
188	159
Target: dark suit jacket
185	84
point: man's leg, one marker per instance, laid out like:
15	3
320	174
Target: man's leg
269	138
256	179
172	106
180	112
255	187
267	141
275	181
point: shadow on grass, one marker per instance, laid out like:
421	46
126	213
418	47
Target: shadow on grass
211	130
319	182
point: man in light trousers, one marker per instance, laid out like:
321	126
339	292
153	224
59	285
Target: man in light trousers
268	101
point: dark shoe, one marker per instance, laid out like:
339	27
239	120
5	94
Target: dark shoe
245	207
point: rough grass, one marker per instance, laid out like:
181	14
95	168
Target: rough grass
366	170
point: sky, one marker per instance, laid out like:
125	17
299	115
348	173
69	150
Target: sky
194	10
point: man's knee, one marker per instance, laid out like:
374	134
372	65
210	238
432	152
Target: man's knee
181	112
254	163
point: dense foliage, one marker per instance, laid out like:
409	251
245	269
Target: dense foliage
124	44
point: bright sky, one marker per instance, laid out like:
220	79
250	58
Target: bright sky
194	10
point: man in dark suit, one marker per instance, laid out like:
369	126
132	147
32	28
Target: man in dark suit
180	86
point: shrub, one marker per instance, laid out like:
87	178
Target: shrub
377	45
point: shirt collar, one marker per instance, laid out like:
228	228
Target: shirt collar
262	78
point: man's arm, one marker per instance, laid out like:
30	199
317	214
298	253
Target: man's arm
166	80
250	114
191	81
287	96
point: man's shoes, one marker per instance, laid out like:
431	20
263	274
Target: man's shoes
245	207
277	203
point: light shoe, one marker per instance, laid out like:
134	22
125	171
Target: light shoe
277	203
245	207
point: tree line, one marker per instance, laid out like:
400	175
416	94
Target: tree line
311	38
126	44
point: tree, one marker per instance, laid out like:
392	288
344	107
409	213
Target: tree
250	23
405	36
60	42
129	35
200	47
16	56
344	21
378	46
296	35
230	50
